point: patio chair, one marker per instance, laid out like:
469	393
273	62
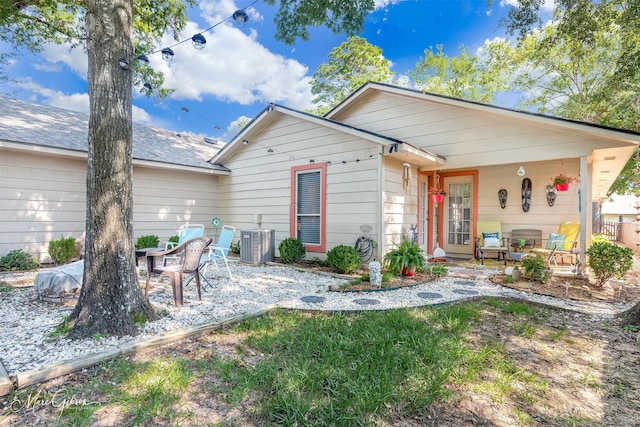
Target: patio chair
489	240
220	250
185	232
562	244
189	254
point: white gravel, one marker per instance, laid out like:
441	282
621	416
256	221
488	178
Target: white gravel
26	323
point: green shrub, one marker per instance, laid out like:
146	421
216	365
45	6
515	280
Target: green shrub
291	250
19	260
344	259
234	248
174	239
608	260
62	250
150	241
438	270
535	266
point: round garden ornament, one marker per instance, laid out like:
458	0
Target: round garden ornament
216	222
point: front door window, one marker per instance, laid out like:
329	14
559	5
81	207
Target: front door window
458	215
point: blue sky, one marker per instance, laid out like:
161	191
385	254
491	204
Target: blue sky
243	68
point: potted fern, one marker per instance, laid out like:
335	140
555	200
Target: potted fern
405	258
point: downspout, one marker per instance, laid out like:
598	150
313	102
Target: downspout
380	208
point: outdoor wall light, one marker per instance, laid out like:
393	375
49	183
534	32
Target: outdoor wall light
245	141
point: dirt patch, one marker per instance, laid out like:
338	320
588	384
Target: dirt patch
578	288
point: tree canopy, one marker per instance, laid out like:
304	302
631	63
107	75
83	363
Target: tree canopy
351	64
465	76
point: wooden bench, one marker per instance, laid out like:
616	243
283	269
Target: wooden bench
532	238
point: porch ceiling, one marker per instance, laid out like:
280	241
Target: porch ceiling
606	166
416	156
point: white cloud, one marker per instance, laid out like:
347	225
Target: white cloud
54	54
547	6
233	67
379	4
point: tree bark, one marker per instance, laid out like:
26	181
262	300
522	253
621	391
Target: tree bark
110	292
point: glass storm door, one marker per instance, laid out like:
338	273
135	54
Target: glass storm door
457	216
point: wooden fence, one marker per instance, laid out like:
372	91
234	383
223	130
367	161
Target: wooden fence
608	228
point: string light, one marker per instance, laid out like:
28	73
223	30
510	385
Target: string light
198	41
293	158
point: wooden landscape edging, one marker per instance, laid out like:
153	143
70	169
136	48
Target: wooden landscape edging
38	375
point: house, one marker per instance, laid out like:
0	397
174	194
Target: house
322	178
620	208
368	164
43	163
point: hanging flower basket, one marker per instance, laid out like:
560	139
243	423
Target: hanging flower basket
437	193
562	181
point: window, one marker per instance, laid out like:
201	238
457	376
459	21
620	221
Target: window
308	205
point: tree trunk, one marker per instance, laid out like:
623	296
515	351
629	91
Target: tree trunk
631	316
110	292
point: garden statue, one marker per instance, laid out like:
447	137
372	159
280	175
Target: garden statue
375	273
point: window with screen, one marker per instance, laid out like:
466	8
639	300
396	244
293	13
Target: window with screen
308	205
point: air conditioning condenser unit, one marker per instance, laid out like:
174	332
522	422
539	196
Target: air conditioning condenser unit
257	246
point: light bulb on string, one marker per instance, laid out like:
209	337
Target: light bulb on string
198	41
240	16
167	54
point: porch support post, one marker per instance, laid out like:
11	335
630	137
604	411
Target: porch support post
585	208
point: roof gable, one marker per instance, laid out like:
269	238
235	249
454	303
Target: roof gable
393	147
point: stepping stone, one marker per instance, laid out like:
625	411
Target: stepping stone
313	299
465	292
464	283
429	295
366	301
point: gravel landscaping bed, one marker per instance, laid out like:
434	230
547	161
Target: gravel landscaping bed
27	323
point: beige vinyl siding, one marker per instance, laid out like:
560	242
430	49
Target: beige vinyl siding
43	197
467	138
260	182
400	209
164	200
541	216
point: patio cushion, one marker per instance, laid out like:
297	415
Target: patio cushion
494	234
555	241
493	242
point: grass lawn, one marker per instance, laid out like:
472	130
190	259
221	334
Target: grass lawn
483	363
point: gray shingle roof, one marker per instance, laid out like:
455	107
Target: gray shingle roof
43	125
